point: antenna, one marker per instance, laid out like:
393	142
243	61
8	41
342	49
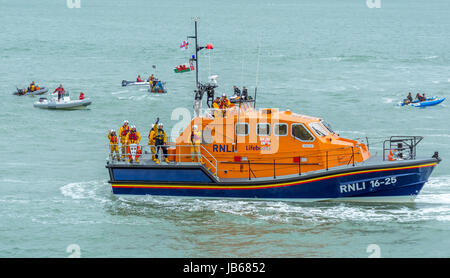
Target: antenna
257	73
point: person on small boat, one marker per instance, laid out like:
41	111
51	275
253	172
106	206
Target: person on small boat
133	137
113	144
159	138
60	91
244	93
81	96
419	97
408	99
196	140
237	92
158	87
123	133
224	103
139	79
151	78
32	87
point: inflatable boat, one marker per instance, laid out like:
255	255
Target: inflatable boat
429	102
20	92
64	103
134	83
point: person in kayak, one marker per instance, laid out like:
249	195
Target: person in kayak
60	91
139	79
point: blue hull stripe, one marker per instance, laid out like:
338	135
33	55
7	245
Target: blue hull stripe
383	182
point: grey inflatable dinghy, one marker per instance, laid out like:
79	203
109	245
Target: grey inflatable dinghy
20	92
64	103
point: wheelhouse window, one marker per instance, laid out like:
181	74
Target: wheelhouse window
298	131
263	129
241	129
280	129
327	125
318	129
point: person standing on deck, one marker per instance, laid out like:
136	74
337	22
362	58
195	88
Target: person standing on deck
160	140
113	144
196	140
133	137
224	104
123	134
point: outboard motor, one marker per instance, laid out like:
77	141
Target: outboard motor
124	83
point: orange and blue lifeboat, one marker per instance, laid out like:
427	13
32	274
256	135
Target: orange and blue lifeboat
276	155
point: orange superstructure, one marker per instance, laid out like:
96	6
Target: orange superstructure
267	142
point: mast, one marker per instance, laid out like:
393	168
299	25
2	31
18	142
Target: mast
196	52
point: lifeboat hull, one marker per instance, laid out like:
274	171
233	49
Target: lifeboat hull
390	182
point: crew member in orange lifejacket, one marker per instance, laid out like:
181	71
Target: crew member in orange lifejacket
123	133
396	154
224	104
113	144
134	137
216	106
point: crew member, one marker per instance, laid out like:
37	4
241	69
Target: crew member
224	104
139	79
60	91
196	139
123	134
81	96
133	137
160	139
396	154
151	139
216	106
113	144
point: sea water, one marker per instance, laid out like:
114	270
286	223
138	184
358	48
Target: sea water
347	61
